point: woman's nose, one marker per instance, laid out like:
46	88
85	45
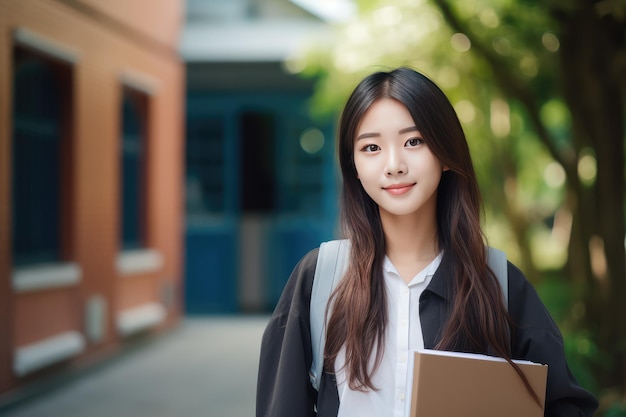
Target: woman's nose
396	164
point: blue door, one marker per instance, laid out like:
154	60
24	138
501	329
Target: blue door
307	203
211	212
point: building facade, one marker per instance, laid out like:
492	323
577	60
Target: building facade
91	174
260	172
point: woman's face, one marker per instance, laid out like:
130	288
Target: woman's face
394	163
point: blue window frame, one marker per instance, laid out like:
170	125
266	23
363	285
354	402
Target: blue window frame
205	162
134	169
306	170
42	93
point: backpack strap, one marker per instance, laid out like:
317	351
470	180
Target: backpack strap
332	261
496	259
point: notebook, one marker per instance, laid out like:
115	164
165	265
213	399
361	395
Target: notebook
452	384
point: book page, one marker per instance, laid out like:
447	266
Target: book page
477	356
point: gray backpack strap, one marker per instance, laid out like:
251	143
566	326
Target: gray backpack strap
498	264
332	261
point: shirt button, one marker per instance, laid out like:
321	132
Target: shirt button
403	358
404	322
401	397
406	290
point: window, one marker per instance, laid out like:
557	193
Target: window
134	169
302	177
42	94
205	159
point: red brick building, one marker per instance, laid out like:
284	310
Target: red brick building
91	174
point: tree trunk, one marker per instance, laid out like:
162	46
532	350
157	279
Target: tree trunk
590	48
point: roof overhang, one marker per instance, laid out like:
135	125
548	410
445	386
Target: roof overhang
249	41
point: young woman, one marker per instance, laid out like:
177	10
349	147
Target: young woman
417	275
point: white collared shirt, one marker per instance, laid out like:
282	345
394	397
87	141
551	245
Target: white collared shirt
403	334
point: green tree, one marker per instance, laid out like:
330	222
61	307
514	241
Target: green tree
540	89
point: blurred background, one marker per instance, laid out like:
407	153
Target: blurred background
164	164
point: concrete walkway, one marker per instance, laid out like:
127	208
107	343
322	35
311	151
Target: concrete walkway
206	367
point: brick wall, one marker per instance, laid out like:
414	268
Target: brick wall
107	47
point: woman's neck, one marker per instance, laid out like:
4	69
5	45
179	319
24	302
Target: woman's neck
411	242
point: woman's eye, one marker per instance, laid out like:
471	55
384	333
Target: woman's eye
414	142
371	148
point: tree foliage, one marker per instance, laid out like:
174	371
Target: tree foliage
540	89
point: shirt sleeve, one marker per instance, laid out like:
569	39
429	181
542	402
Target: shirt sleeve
538	339
283	386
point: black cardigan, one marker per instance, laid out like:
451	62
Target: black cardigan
284	390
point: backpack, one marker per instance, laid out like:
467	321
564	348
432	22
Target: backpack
332	262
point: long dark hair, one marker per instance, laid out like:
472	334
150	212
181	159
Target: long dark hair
478	321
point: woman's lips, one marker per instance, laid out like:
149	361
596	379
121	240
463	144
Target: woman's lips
399	189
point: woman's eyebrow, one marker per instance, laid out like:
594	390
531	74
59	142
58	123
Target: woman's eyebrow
367	135
376	134
409	129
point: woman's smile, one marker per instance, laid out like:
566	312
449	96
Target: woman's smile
399	189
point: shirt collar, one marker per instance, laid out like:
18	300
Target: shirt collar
428	271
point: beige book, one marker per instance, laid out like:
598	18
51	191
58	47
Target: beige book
452	384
